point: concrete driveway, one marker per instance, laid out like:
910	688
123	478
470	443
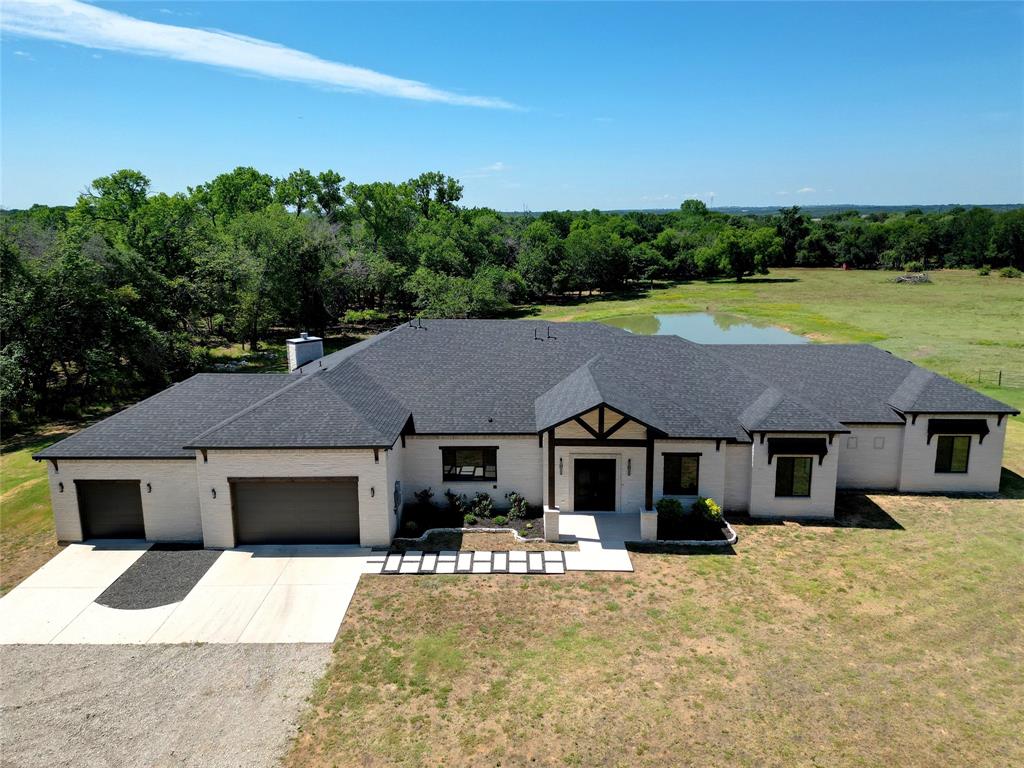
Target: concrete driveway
265	594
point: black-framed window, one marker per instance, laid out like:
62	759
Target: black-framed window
793	475
469	463
952	452
682	474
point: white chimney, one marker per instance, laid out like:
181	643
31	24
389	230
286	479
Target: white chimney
304	349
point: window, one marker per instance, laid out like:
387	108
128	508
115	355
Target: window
951	453
879	442
682	471
470	463
851	442
793	476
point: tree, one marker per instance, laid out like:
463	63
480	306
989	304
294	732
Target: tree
792	228
434	187
230	195
298	190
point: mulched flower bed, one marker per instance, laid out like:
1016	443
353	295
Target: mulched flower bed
417	519
690	528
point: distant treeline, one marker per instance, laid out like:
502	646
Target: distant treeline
122	292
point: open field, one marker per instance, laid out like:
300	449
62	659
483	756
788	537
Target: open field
898	642
26	522
960	323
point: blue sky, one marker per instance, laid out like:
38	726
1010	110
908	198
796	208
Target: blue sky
531	105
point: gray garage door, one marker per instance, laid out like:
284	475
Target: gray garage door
296	511
110	509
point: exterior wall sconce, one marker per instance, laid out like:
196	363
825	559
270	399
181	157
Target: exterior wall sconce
559	465
61	487
372	492
149	488
213	492
629	467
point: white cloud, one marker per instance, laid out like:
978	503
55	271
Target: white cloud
487	170
70	21
805	190
24	54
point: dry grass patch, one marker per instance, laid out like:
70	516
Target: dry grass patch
811	645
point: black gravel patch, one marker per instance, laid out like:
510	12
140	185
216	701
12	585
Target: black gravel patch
164	574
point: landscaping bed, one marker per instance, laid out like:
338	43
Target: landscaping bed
691	528
470	540
478	512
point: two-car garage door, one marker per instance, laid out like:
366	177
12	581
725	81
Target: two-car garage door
296	510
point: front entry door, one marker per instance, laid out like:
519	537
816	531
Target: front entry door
594	485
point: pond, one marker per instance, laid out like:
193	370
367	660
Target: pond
707	328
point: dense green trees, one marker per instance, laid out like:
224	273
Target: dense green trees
121	293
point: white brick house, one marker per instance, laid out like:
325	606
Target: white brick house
575	417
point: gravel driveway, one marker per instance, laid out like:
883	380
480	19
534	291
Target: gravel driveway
154	705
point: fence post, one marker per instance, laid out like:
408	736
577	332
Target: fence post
1000	377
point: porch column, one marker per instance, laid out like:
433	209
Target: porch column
649	474
551	468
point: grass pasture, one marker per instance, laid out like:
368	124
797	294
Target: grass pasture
894	641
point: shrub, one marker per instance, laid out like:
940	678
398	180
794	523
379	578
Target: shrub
356	316
708	509
985	270
517	505
410	527
528	526
913	266
669	507
482	505
456	502
423	498
1010	272
500	520
469	519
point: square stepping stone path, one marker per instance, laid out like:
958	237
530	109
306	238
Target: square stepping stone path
477	562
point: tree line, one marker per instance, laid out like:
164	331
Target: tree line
126	290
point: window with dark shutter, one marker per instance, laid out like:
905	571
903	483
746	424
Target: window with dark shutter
682	474
793	475
951	453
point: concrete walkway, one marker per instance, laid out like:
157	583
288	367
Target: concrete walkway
601	537
267	594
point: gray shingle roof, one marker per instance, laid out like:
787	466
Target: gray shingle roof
856	383
160	426
519	377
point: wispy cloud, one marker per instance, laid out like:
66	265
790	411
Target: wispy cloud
805	190
70	21
487	170
25	55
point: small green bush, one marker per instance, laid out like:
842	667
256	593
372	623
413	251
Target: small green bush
500	520
517	505
528	526
482	505
410	527
708	509
985	270
356	316
423	498
469	520
1010	272
669	507
913	266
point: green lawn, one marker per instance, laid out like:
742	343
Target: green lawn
26	522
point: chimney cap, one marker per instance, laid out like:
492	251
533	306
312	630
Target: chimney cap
303	339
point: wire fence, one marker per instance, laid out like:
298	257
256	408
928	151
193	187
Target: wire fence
999	378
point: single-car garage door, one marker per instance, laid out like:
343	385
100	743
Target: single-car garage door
110	509
296	511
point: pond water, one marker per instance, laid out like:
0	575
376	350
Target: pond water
707	328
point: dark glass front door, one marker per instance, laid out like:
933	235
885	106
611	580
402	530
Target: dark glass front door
594	485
